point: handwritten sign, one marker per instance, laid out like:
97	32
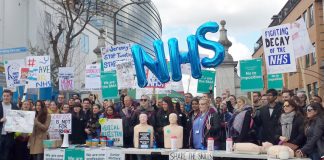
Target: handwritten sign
190	156
19	121
60	123
125	75
39	75
54	154
278	49
66	78
144	140
95	153
23	75
116	54
92	79
115	154
113	129
12	68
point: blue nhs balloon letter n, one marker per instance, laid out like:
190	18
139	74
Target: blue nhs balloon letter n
159	67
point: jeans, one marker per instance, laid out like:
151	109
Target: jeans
6	144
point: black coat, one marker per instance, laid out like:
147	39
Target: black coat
268	124
128	129
247	132
297	136
162	120
78	135
13	107
314	135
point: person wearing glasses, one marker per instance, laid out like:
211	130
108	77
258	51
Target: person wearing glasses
314	130
206	125
290	131
144	107
268	118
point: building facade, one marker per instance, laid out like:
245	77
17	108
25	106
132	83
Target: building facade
312	81
22	24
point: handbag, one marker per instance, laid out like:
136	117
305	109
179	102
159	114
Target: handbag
290	145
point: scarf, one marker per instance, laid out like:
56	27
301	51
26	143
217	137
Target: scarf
239	118
286	123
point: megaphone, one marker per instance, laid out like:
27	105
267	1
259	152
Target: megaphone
65	143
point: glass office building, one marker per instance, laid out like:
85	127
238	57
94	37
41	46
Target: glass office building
136	23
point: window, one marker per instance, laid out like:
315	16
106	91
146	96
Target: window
307	60
305	17
84	43
315	85
311	15
309	89
313	55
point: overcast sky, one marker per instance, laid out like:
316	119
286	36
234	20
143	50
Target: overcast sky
244	21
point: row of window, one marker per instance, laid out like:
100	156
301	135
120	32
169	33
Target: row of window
312	89
308	16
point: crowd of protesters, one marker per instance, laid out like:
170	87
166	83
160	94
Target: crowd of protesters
284	118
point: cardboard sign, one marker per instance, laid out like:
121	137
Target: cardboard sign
39	75
125	75
66	78
115	154
190	156
60	123
54	154
95	153
92	79
278	49
112	128
116	54
19	121
23	75
144	140
12	68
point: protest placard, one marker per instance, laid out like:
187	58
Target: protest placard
66	78
300	38
54	154
19	121
115	154
23	75
60	123
12	68
278	49
125	75
251	75
190	155
92	77
39	75
74	153
116	54
109	85
113	129
206	81
152	81
275	81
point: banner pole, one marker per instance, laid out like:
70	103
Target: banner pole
303	78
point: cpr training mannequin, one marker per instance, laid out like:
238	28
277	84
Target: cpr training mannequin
173	130
143	128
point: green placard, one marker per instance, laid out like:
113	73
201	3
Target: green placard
275	81
74	154
206	81
109	85
251	75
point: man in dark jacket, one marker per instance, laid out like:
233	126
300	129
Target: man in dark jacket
6	138
268	118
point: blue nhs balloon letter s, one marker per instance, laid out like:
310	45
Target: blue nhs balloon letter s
159	66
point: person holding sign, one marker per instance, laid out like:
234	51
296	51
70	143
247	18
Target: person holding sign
6	139
41	125
79	121
93	127
206	125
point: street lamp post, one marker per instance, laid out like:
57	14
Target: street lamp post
101	44
115	15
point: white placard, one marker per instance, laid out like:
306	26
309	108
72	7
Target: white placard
60	123
113	128
190	156
116	54
92	79
66	78
153	81
115	154
95	153
300	38
19	121
278	49
39	75
54	154
125	75
12	68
